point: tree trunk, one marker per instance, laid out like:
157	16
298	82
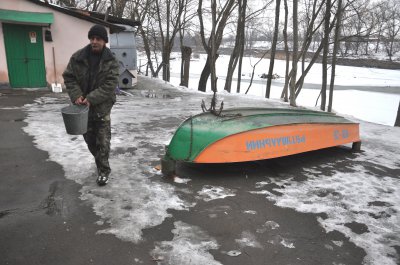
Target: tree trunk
378	39
273	49
299	83
212	45
165	64
325	55
232	65
241	44
236	50
284	94
205	74
294	55
148	52
335	51
239	78
165	42
397	122
312	28
186	54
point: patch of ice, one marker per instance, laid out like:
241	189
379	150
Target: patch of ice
261	192
189	246
181	180
337	243
248	240
9	108
271	224
209	193
268	225
286	243
262	184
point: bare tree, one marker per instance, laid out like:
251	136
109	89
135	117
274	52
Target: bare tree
273	48
144	12
360	23
312	26
67	3
186	51
293	75
325	54
284	94
334	53
392	26
239	44
397	122
168	17
211	46
377	13
246	16
89	5
118	7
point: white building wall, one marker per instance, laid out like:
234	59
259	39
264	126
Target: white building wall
69	34
3	61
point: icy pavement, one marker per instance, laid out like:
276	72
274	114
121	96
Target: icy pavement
356	195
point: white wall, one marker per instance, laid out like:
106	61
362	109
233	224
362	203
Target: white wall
3	61
69	34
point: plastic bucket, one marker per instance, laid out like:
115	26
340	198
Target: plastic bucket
75	119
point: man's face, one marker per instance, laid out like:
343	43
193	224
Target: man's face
97	44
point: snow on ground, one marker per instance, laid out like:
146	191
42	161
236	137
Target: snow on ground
136	199
248	240
131	197
358	197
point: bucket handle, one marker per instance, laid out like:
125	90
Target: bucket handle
82	110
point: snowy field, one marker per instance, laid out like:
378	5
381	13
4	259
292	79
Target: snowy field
366	192
372	106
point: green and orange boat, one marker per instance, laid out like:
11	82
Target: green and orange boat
249	134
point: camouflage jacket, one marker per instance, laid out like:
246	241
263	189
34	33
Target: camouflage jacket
76	80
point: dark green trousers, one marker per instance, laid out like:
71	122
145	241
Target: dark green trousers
97	138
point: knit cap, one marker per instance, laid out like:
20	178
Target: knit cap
99	31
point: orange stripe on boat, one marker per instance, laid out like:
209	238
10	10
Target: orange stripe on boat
277	141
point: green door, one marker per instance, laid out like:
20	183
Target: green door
25	57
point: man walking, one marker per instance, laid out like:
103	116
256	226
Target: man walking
90	79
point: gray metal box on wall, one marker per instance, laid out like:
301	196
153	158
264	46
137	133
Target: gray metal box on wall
123	45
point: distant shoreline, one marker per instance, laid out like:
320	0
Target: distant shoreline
378	89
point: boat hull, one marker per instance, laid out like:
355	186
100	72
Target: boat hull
277	141
248	134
